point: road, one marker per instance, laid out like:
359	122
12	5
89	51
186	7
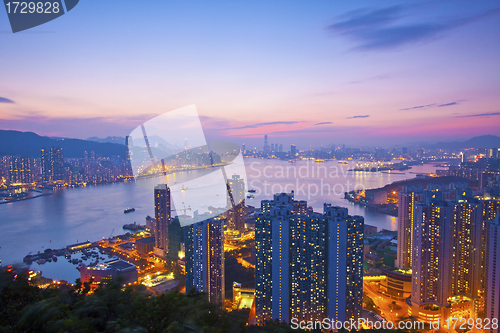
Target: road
383	302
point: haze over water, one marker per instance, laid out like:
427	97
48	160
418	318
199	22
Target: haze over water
78	214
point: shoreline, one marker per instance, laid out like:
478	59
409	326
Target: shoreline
25	198
391	209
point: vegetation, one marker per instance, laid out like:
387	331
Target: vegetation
234	271
26	308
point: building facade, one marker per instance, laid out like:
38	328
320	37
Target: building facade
52	164
162	219
236	203
449	253
408	198
493	271
308	265
204	258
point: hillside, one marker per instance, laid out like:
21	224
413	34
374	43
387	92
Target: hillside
483	141
29	144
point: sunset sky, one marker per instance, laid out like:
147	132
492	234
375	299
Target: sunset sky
303	72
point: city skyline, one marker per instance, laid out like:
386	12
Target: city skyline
340	73
250	166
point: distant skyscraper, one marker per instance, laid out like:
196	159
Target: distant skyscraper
204	258
129	142
19	169
243	149
293	151
308	265
236	214
266	146
162	218
46	165
493	271
52	162
408	197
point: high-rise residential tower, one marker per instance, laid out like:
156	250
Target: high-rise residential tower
236	203
447	266
19	169
493	272
409	196
162	218
52	164
308	265
204	258
431	257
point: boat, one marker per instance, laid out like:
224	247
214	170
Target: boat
252	191
129	210
343	162
134	226
250	196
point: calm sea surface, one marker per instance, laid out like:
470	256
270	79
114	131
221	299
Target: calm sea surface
91	213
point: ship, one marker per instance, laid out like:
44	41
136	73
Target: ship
252	191
250	196
129	210
134	226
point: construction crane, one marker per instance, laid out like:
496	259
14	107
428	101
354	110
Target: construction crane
183	209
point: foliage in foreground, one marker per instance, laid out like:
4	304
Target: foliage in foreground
25	308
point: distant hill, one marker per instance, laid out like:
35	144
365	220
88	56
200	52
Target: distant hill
29	144
483	141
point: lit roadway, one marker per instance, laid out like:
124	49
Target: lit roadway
383	302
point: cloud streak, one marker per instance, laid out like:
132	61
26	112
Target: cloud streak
6	100
323	123
385	29
480	115
357	117
423	107
262	125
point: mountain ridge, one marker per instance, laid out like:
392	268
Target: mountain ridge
29	144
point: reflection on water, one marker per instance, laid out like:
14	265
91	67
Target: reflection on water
91	213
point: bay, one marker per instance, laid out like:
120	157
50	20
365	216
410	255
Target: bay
74	215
